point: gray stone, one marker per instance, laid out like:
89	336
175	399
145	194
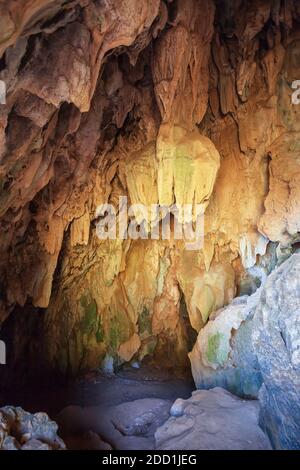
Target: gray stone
18	428
177	408
213	420
276	338
135	365
10	443
252	348
223	355
140	417
35	444
127	426
108	365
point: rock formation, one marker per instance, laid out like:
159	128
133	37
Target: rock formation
251	348
275	337
211	420
20	430
127	426
199	424
224	355
164	102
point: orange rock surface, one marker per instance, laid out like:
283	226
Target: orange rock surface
163	102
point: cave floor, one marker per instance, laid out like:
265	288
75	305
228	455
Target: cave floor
131	410
96	388
84	407
122	411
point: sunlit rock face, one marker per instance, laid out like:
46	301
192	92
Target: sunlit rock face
187	166
164	102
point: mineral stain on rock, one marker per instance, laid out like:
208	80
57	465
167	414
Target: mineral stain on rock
214	351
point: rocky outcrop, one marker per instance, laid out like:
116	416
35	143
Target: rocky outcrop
162	102
276	339
212	420
20	430
251	348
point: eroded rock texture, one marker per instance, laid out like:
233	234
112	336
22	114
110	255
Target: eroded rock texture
127	426
223	354
187	430
20	430
275	337
251	348
161	101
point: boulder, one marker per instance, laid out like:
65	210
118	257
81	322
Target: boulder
35	444
22	430
127	426
223	355
276	339
140	417
252	348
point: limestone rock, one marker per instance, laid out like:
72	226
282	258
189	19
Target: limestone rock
128	349
127	426
140	417
187	167
10	443
35	444
141	177
172	102
212	420
15	18
224	355
276	337
80	230
251	348
22	430
73	85
205	290
280	222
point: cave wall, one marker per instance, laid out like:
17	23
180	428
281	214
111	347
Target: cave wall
186	101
